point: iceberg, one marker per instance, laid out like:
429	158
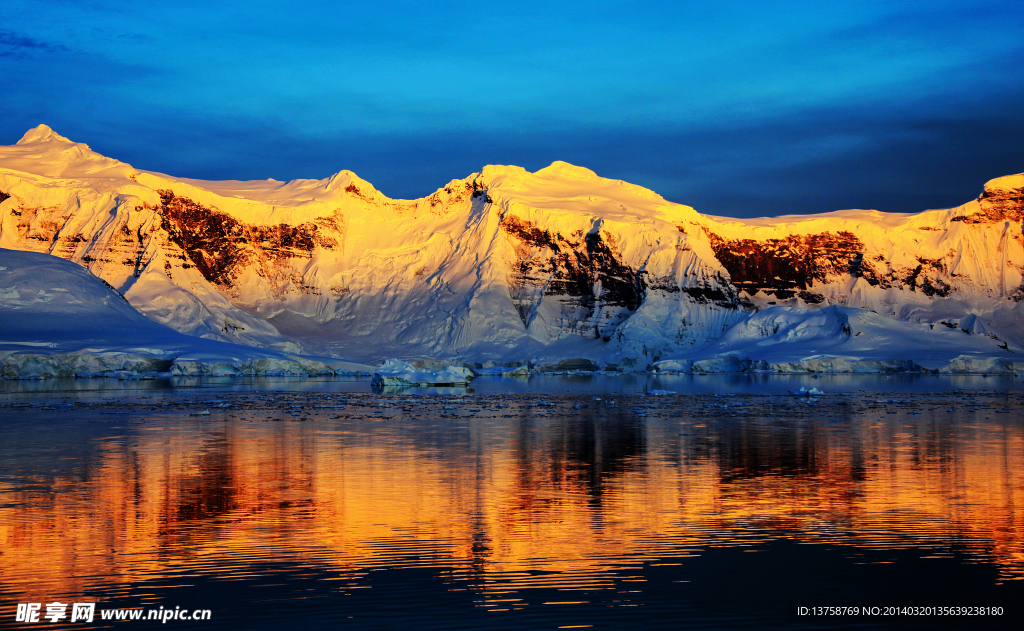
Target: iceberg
399	373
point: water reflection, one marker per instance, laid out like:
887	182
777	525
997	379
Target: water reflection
501	497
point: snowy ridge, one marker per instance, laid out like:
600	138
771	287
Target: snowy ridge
502	266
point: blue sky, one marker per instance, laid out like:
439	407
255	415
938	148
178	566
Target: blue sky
736	108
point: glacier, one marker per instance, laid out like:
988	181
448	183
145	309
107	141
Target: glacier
507	268
847	340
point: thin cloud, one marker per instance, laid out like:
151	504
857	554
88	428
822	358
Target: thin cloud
14	45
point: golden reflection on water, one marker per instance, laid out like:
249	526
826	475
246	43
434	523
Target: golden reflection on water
502	503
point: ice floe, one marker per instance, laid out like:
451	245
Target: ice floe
399	373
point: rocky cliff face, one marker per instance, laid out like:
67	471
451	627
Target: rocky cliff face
502	265
929	266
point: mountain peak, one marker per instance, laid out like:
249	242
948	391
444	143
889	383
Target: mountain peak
45	152
41	133
1006	183
565	171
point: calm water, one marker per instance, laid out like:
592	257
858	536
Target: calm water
298	503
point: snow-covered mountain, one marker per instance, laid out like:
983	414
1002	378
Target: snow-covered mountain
56	319
502	265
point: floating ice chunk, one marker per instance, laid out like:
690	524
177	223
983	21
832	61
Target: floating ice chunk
395	372
660	393
804	392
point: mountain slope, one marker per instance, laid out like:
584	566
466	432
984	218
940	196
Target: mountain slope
501	265
931	265
845	339
56	319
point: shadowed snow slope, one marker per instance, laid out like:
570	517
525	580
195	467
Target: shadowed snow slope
502	265
56	319
842	339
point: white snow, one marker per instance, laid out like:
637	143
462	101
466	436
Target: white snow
843	339
442	276
57	320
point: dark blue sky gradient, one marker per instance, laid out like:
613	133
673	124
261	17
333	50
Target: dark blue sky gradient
737	108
